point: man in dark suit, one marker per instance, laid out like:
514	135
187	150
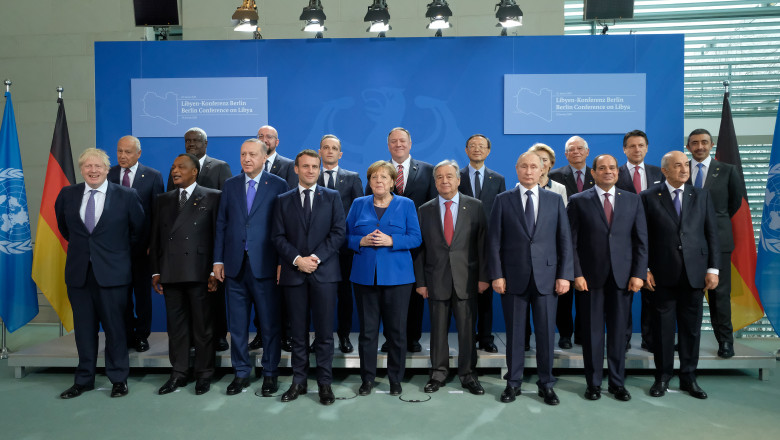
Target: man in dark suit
349	187
636	176
607	221
213	173
576	177
309	228
722	181
683	261
530	261
101	221
477	181
147	182
245	256
450	272
181	253
415	181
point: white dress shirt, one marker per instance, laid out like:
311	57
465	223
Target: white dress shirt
453	209
100	200
695	169
535	195
405	165
131	175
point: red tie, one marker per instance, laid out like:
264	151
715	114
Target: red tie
608	209
637	180
399	181
449	229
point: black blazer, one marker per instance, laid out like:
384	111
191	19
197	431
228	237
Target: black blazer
348	185
148	184
454	269
181	248
420	186
285	168
107	248
688	242
212	174
726	194
322	236
565	176
626	178
493	184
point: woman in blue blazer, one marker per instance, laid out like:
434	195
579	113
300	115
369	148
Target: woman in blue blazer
381	229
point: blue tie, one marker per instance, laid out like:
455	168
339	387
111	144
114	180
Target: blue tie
677	201
699	177
529	212
250	195
89	212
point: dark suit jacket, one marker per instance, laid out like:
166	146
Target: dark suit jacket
285	168
726	195
212	174
626	177
456	268
514	255
564	176
602	251
689	242
238	229
420	186
108	247
181	248
493	184
322	236
147	183
348	185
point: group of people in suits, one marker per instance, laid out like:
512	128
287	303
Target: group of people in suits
293	239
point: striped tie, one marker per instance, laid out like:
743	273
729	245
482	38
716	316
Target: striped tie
399	181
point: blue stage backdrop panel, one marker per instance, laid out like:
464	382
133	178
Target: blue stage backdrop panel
441	89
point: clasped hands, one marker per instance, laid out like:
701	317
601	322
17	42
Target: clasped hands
377	238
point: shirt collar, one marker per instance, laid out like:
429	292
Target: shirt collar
202	160
523	189
189	189
335	170
256	179
574	171
271	158
601	192
455	199
671	188
102	188
472	170
133	168
404	163
632	166
706	162
302	188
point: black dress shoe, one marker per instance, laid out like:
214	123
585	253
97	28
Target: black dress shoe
432	386
222	344
593	393
395	389
141	345
287	344
119	389
257	342
659	388
365	388
414	347
564	343
489	347
549	396
76	390
326	394
693	389
345	345
270	386
509	394
202	386
474	387
645	346
620	393
238	384
725	350
577	341
295	390
171	385
384	348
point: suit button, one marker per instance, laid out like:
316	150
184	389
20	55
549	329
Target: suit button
679	248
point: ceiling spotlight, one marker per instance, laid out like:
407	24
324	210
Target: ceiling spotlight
439	13
379	17
509	15
245	18
314	18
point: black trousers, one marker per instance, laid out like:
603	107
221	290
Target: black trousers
319	300
567	323
190	314
679	305
441	312
345	301
719	301
484	317
138	315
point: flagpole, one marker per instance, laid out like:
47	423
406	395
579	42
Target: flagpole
7	85
4	350
59	96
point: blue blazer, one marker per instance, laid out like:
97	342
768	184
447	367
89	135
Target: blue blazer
515	255
238	229
626	180
322	236
107	248
392	265
602	251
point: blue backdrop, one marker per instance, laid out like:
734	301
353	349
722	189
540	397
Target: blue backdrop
441	89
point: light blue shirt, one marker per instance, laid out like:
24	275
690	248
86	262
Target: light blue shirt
472	173
453	209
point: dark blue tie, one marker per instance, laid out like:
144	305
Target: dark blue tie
529	212
306	206
331	182
677	201
699	177
477	185
89	212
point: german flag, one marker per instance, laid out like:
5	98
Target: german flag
48	269
745	303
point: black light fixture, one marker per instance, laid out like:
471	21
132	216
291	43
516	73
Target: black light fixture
314	18
245	18
509	15
439	13
379	17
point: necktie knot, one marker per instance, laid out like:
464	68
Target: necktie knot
126	178
699	183
331	183
449	224
267	165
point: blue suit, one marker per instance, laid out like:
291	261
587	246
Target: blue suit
251	273
530	265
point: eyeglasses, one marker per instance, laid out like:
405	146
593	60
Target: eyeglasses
266	136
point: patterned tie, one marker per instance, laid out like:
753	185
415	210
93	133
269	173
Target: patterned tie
579	181
126	178
608	209
637	180
267	165
529	212
449	228
477	185
250	195
677	201
399	181
182	199
331	182
307	206
699	176
89	212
